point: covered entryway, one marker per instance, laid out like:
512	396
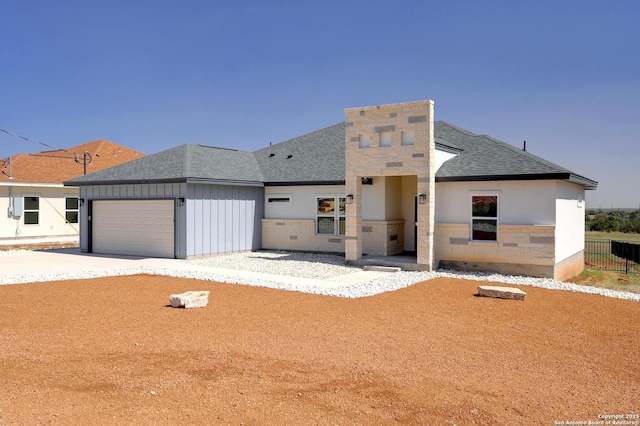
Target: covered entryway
133	227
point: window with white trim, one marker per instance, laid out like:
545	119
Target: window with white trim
331	215
484	217
31	210
71	209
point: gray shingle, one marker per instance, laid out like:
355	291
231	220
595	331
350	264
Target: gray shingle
181	163
319	157
484	157
315	157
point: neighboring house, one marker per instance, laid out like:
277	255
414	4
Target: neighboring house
37	207
388	180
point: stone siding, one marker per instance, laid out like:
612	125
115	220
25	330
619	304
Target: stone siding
520	249
380	238
383	128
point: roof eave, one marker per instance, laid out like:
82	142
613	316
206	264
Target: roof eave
227	182
569	177
305	183
124	182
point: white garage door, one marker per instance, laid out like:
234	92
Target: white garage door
133	227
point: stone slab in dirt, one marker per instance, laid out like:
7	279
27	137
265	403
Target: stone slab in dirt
190	299
498	292
431	354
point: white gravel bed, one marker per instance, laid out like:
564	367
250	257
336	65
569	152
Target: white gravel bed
294	264
310	266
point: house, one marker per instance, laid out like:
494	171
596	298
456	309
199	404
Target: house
38	208
387	180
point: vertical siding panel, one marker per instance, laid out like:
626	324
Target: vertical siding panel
235	220
229	218
213	229
222	218
242	218
214	219
198	219
206	220
189	221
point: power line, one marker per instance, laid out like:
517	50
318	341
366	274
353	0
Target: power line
36	142
75	156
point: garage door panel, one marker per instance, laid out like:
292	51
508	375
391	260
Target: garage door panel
134	227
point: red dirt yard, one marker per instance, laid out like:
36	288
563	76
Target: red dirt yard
110	351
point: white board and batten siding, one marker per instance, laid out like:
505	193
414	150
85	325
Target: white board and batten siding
134	227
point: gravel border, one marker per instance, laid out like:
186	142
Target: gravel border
312	265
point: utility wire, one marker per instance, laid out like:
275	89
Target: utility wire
36	142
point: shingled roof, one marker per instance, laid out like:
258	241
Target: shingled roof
57	166
184	163
315	158
319	158
485	158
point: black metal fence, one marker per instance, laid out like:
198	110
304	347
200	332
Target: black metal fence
616	256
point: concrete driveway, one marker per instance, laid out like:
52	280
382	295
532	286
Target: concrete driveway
71	260
27	266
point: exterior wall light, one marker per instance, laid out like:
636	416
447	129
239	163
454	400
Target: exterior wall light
82	201
422	198
350	199
181	201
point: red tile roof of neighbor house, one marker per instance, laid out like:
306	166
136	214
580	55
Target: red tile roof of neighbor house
61	165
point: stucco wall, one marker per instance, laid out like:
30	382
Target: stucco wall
520	202
303	200
390	199
540	233
441	157
570	211
51	218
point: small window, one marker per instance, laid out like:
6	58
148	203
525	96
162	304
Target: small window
331	221
484	217
279	199
408	139
385	139
365	141
31	210
71	209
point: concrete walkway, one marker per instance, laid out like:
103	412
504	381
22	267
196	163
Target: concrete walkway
24	266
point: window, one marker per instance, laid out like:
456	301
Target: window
484	217
364	141
71	209
279	199
31	210
408	139
331	220
385	139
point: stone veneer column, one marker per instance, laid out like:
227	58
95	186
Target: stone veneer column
371	159
353	238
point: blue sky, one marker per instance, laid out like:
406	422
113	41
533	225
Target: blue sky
151	75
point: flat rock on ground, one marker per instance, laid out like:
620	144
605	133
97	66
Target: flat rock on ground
498	292
431	354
